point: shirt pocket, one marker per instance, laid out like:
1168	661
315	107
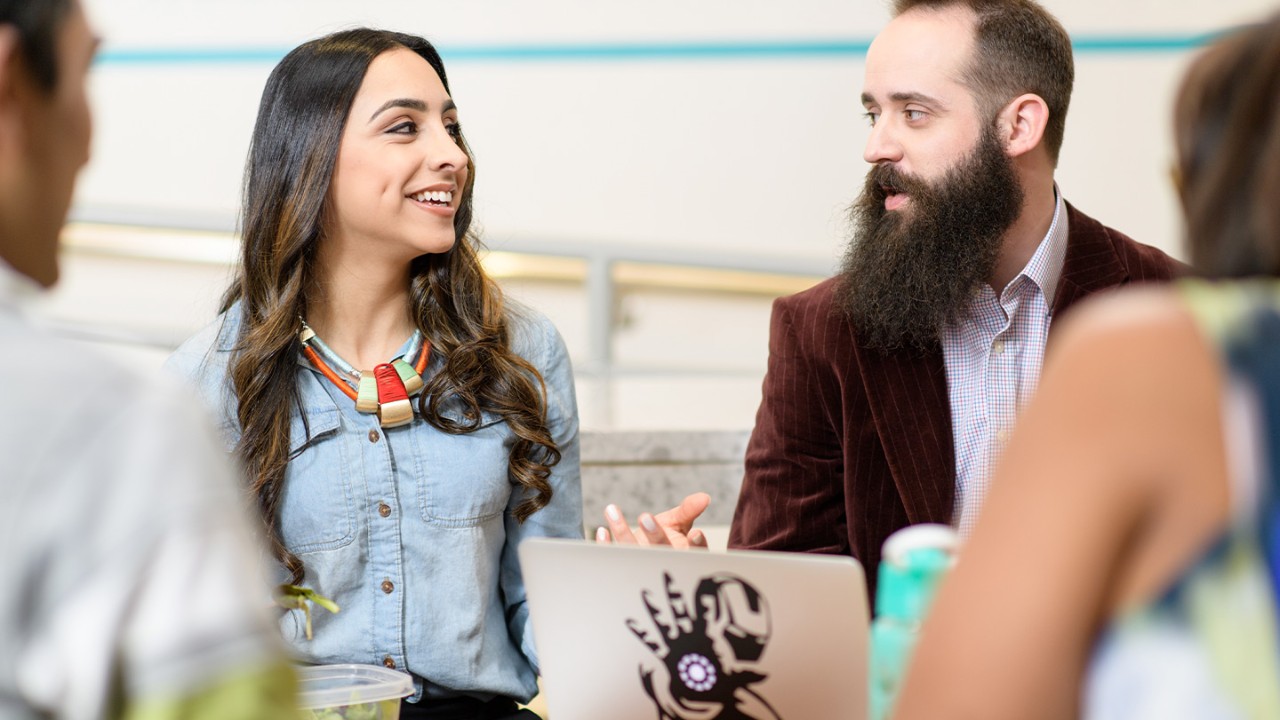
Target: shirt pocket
317	509
463	480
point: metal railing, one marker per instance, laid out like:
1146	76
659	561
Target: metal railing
210	239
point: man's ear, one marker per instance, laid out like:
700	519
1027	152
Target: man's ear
1021	124
10	65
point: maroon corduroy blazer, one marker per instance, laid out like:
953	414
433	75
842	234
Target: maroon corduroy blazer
851	444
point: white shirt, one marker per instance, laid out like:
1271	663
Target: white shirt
993	359
124	554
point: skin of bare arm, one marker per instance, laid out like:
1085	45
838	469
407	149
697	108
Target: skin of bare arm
1113	483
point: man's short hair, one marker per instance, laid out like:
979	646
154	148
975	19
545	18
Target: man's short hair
37	23
1018	48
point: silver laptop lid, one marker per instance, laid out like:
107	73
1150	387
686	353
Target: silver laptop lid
631	633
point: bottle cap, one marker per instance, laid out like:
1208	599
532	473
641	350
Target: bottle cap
913	561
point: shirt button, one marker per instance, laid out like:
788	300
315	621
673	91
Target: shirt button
388	586
1002	435
388	662
373	436
384	509
997	347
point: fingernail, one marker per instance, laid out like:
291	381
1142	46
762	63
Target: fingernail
646	522
613	513
602	535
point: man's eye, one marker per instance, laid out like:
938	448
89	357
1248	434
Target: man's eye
871	118
408	127
915	115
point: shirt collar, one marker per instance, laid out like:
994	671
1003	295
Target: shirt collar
1045	266
16	289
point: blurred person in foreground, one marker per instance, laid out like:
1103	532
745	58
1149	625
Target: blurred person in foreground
127	587
892	387
1127	562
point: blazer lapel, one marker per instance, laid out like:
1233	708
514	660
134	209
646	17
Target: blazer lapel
1091	263
907	395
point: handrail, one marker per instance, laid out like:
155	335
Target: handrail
605	270
219	231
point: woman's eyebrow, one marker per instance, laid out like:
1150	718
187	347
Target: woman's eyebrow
410	103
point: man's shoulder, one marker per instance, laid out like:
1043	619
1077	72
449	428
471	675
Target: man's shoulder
53	374
1139	260
812	323
819	298
76	406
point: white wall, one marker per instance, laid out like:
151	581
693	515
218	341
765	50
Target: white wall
756	154
721	156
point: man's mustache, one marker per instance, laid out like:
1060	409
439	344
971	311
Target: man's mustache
885	178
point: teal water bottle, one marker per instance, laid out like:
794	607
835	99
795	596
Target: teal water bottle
912	562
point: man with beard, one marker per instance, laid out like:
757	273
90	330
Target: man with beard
892	387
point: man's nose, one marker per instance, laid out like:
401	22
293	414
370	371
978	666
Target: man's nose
882	145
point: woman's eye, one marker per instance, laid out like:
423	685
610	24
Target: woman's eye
408	127
454	130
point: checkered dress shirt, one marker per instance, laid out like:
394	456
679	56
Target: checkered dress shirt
993	361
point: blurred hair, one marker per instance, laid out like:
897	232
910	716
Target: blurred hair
459	309
1227	131
1018	48
37	23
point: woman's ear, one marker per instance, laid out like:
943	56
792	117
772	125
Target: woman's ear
1021	124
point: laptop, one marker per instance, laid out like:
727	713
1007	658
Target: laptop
634	633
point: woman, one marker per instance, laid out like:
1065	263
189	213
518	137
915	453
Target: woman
402	428
1125	563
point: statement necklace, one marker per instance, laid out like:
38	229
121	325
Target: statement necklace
385	390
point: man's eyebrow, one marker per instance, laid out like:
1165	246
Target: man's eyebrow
410	103
905	97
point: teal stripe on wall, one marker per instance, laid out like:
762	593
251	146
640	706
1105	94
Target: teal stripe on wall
1084	44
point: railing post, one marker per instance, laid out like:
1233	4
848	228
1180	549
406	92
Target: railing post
600	326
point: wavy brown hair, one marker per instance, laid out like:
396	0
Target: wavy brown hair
459	309
1227	132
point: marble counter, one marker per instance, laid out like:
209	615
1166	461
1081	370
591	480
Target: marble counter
653	471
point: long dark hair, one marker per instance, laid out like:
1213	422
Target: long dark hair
1227	130
459	309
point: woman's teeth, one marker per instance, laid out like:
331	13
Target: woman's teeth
438	197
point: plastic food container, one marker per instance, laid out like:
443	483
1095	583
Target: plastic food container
351	692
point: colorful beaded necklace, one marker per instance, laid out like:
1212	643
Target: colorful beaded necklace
385	390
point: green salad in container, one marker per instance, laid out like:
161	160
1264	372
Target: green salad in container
352	692
381	710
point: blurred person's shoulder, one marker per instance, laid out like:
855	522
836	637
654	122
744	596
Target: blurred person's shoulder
1124	309
75	413
1130	327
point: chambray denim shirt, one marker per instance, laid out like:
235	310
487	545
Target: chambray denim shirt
411	530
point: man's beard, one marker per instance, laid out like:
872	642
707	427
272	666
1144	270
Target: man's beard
907	274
